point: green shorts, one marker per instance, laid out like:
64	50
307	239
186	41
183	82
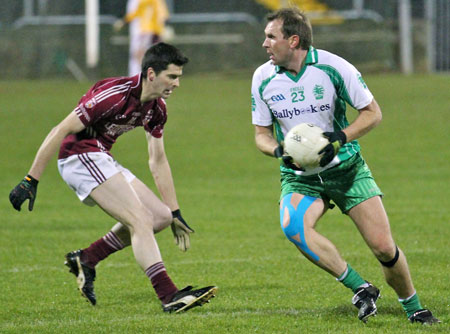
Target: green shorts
346	184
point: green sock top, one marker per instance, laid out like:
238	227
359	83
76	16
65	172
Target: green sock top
351	279
411	304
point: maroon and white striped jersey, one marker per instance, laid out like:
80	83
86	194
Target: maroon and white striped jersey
110	108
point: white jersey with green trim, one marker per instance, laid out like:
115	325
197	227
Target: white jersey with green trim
317	95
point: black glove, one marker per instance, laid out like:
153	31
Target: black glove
181	231
285	159
336	139
26	189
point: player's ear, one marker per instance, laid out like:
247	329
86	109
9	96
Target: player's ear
151	74
294	41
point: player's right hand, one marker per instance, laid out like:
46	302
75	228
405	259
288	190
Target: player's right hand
285	159
26	189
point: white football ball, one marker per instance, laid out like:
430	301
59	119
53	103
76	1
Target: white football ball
303	143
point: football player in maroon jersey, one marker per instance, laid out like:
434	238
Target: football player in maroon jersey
84	138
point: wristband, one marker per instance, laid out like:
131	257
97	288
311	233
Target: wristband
31	180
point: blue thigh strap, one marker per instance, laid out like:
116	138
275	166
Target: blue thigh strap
295	227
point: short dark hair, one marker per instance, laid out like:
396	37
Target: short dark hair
160	56
295	22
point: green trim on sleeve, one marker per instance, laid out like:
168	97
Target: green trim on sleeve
278	132
338	82
264	84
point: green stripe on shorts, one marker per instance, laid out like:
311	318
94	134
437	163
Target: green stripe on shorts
346	184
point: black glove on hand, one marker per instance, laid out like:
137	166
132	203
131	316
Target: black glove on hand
26	189
285	159
181	231
336	139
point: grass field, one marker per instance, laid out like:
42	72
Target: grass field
228	192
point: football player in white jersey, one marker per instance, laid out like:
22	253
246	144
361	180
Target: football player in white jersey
300	84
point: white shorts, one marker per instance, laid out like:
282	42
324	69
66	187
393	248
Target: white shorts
85	172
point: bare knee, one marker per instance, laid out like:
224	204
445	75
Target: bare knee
163	219
166	217
293	226
384	250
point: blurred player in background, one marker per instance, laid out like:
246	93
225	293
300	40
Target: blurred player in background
110	108
146	19
303	85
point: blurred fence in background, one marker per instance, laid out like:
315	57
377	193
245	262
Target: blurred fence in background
46	38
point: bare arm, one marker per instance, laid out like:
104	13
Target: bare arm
160	169
265	140
159	166
71	124
369	117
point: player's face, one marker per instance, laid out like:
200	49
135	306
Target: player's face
276	45
166	81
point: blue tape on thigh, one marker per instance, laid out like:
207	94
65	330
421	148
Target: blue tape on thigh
295	226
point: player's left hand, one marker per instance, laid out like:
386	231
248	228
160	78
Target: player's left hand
181	231
336	139
26	189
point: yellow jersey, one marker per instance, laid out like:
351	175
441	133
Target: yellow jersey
152	15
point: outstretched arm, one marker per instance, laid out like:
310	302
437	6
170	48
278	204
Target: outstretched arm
27	188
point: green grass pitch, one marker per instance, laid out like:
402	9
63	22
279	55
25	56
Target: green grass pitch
228	192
